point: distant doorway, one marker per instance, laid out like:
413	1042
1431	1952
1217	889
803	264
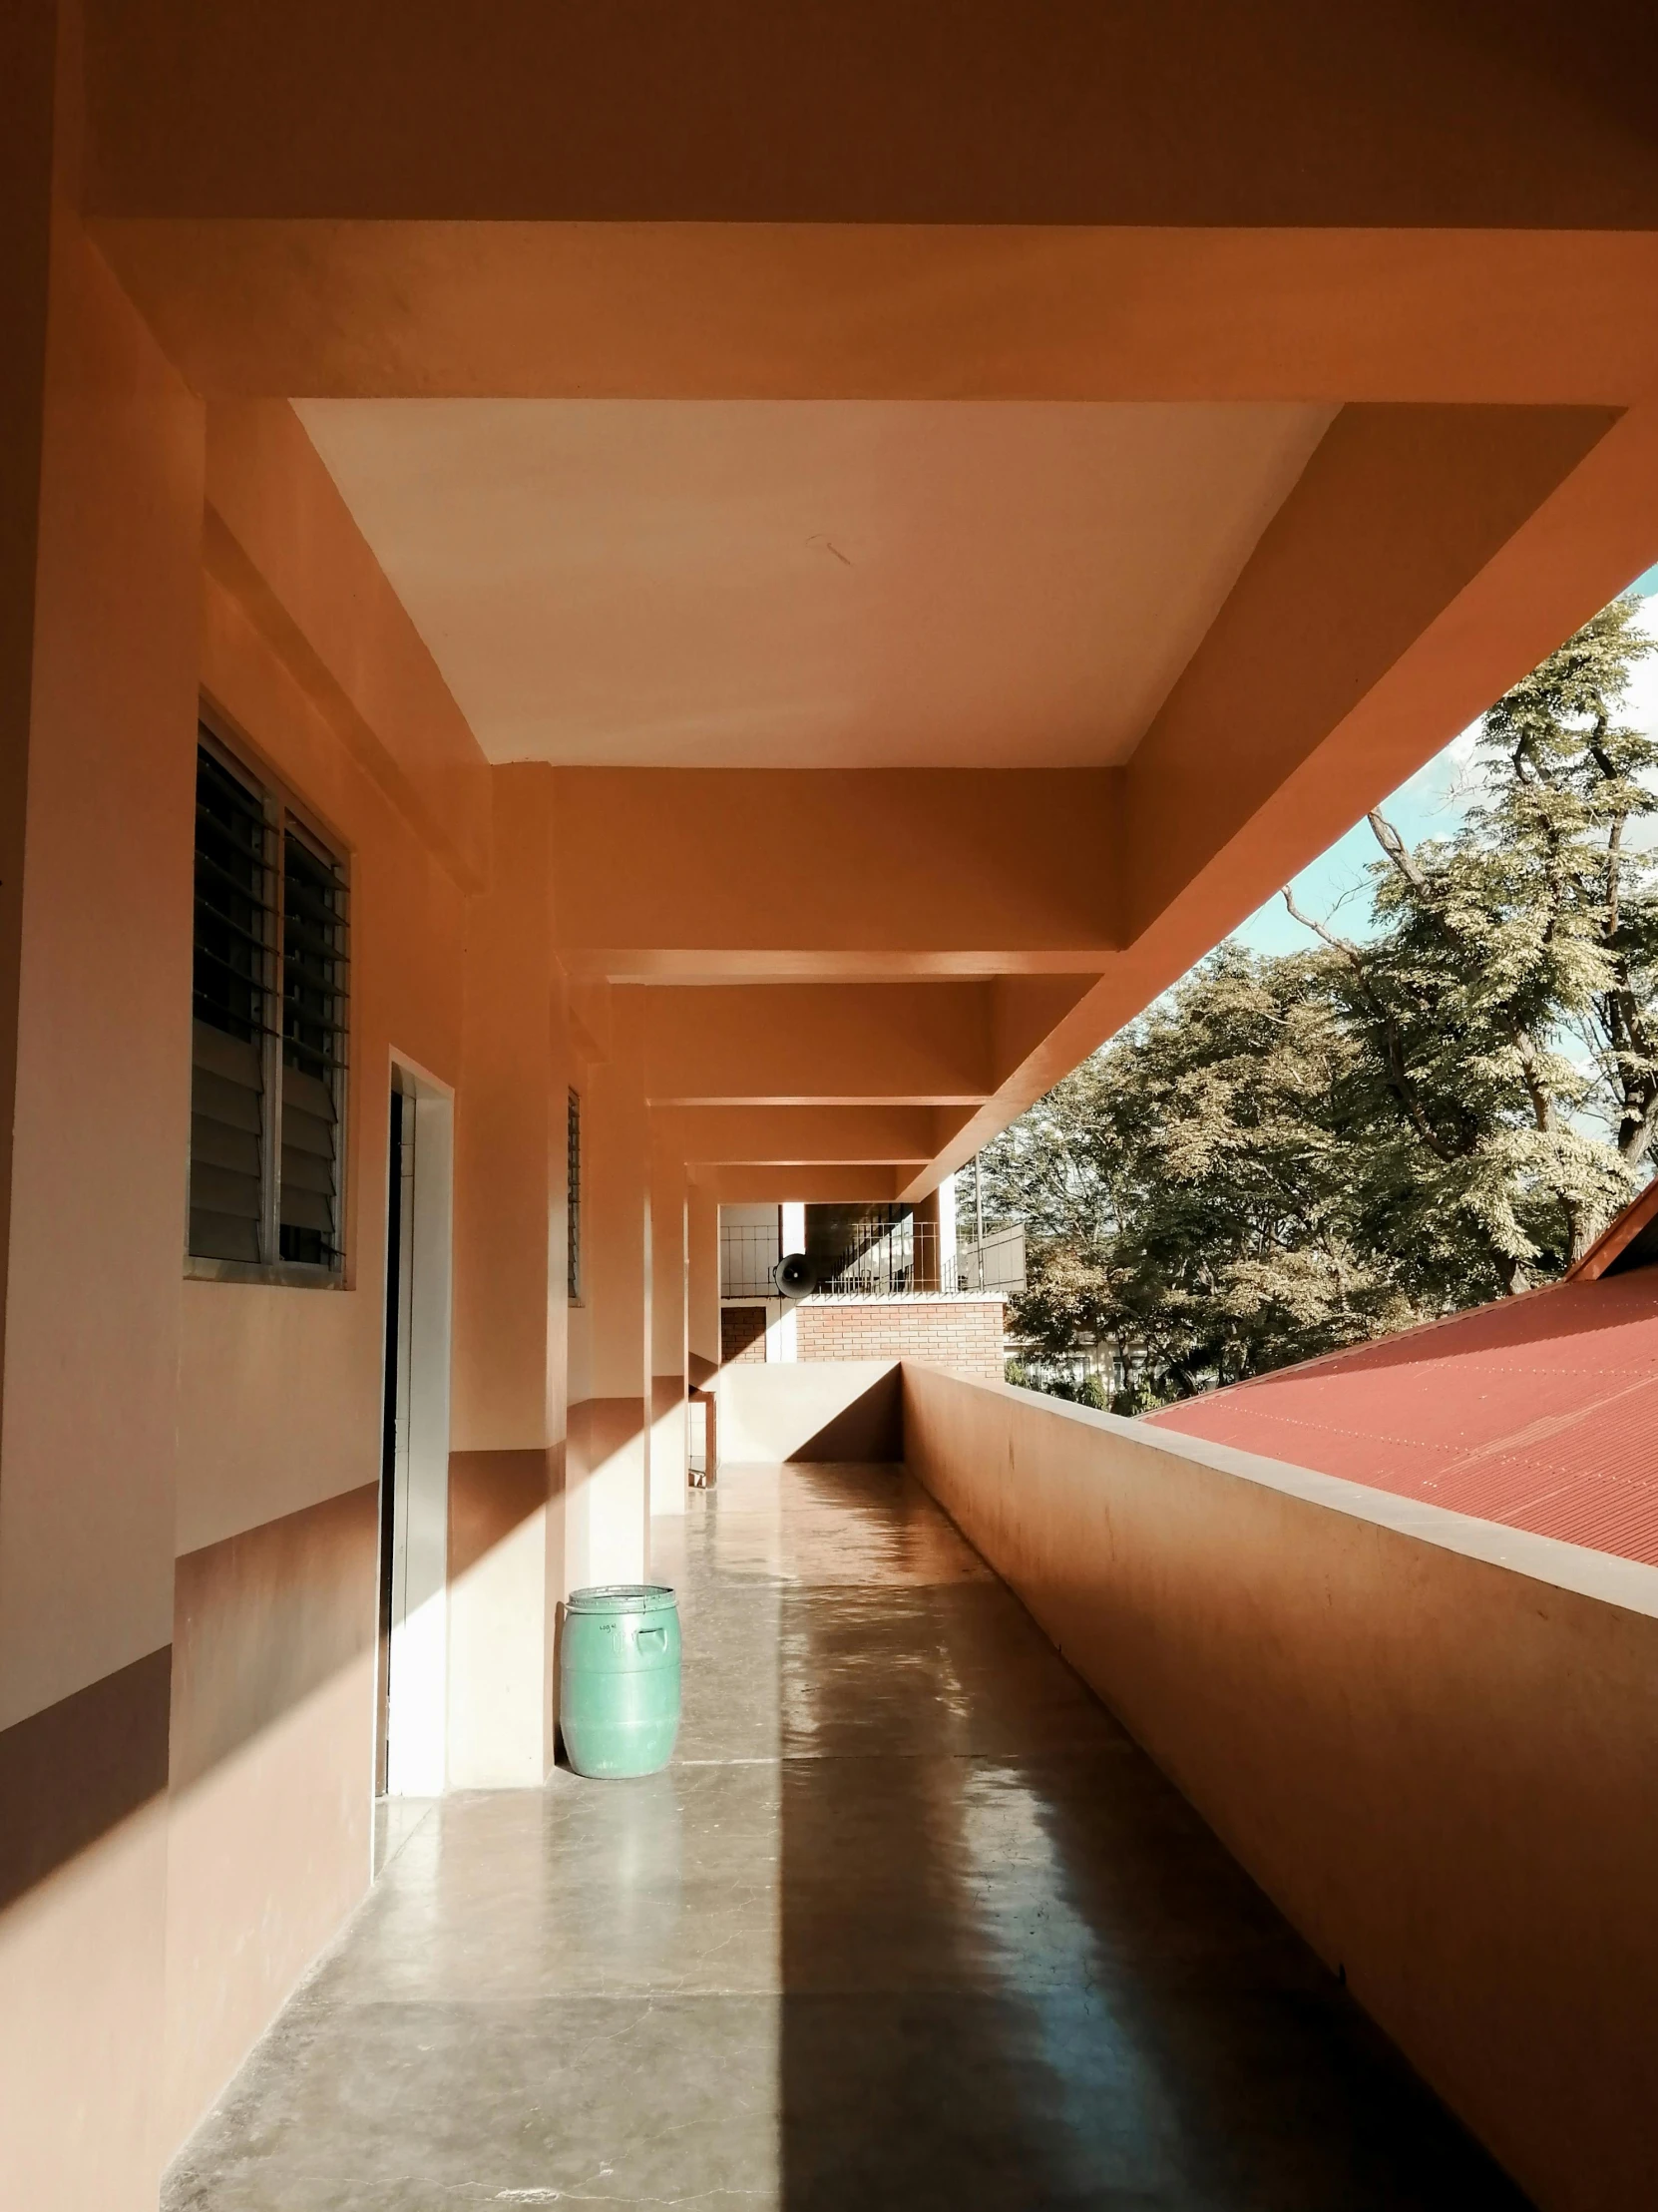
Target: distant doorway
410	1732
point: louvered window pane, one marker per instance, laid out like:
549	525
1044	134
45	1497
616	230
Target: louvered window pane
268	1054
313	1051
234	935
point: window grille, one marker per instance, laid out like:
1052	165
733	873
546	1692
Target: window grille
573	1188
313	1051
268	1029
234	932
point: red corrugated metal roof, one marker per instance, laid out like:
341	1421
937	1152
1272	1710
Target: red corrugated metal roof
1619	1233
1540	1412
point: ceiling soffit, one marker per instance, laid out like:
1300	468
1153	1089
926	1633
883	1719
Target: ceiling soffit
812	584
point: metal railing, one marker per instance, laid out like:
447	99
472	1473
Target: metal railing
995	1263
905	1259
747	1256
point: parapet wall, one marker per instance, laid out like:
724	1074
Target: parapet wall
1433	1741
848	1409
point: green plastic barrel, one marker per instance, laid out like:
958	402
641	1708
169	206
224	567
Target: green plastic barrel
619	1680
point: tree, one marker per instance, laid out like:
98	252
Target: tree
1506	995
1191	1194
1289	1154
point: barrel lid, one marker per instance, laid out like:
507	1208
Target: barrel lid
623	1597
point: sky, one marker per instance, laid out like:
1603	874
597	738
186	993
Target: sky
1429	805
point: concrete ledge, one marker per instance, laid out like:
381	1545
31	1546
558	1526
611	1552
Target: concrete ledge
1431	1740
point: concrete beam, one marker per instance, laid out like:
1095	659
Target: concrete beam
1167	113
817	1134
1398	509
782	310
279	541
703	873
897	1044
1426	561
775	1184
1207	199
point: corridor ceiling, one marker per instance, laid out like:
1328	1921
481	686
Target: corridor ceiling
811	584
968	500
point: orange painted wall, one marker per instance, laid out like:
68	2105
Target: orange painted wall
104	1015
190	1466
243	1344
92	1342
279	1406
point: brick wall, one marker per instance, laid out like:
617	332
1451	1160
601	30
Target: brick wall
742	1333
960	1333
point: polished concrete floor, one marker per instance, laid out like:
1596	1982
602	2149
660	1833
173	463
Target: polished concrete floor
909	1922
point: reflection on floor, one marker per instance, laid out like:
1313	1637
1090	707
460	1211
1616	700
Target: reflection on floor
395	1821
908	1923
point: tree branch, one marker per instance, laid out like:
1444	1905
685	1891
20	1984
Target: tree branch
1398	851
1635	1136
1614	853
1542	1102
1319	929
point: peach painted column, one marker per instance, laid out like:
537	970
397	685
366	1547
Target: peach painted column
703	1269
702	1327
668	1429
607	1500
101	471
506	1467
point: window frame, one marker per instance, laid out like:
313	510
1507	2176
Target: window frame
282	809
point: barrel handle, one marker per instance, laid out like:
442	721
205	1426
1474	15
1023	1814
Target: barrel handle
652	1639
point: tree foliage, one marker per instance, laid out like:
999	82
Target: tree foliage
1291	1153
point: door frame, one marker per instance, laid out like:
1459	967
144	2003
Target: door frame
414	1694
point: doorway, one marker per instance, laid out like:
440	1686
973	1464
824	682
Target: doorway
410	1732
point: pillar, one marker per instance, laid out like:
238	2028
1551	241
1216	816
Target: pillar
506	1467
702	1294
782	1337
948	1268
101	461
668	1423
702	1351
607	1500
926	1245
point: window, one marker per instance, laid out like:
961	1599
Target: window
269	1031
573	1190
